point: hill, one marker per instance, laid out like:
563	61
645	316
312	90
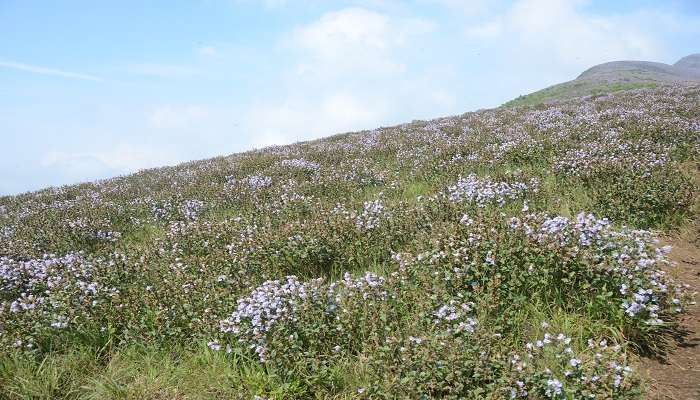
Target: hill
616	76
499	253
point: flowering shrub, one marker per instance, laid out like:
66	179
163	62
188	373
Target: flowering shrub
483	191
550	369
40	297
580	264
452	317
257	182
191	209
660	198
309	315
434	367
372	214
301	164
609	155
629	260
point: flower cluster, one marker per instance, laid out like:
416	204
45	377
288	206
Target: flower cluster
108	236
162	211
43	293
300	163
254	183
269	304
483	192
280	303
453	316
550	368
631	259
191	209
369	286
610	153
373	213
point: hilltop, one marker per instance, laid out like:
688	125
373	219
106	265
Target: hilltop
512	252
618	75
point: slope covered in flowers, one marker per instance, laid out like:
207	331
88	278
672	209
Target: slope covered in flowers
503	253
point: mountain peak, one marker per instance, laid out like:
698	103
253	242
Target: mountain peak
621	69
619	75
690	65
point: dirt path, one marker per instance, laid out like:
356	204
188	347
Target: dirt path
677	376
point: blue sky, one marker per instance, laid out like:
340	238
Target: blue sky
90	90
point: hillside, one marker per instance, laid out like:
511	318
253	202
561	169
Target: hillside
616	76
500	253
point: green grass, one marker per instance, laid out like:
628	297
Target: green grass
144	234
138	373
414	189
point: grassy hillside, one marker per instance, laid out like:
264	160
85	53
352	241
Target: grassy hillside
507	252
575	88
617	76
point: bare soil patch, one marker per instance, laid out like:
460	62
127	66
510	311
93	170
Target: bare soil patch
676	375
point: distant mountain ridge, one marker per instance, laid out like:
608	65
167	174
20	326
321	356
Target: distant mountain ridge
618	75
691	62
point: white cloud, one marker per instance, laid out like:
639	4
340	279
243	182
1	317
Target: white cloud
168	117
354	40
466	7
562	32
162	70
274	3
268	4
48	71
353	69
486	30
298	118
208	51
121	159
348	74
354	27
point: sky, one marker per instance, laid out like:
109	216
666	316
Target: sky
91	90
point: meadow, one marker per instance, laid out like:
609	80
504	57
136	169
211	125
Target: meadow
505	253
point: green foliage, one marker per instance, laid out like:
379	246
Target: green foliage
574	88
662	198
